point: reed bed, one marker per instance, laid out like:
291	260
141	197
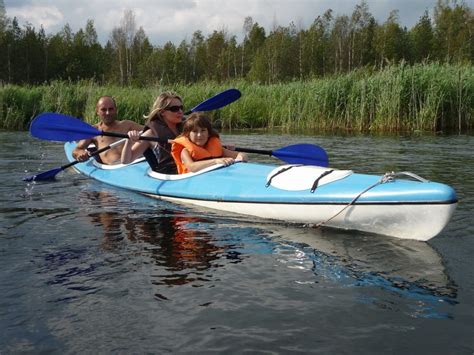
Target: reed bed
423	97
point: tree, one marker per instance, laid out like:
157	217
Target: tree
96	57
453	31
142	50
319	43
3	42
57	53
257	38
276	61
392	41
167	63
31	47
247	27
14	61
198	54
340	40
3	17
216	47
182	62
362	36
122	40
421	36
118	43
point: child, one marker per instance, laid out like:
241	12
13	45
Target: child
199	146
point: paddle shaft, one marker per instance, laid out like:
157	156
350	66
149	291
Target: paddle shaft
308	154
95	153
256	151
122	135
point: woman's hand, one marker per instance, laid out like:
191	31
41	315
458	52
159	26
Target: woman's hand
134	136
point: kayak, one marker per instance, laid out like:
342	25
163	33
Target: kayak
400	205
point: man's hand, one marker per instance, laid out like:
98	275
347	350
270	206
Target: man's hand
82	155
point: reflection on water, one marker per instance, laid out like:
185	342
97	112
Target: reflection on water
410	269
183	248
171	239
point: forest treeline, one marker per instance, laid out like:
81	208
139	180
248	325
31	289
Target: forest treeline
331	45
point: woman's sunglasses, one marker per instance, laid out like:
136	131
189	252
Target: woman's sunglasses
174	108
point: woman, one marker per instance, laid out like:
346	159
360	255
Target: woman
164	121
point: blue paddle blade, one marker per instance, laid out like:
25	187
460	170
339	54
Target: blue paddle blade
308	154
47	175
58	127
220	100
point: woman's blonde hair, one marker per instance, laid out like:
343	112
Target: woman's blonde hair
160	104
198	119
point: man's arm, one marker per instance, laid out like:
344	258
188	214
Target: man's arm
80	152
134	126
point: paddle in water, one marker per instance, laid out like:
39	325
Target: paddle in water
50	174
63	128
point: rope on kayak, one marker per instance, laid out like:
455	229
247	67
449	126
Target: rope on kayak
387	177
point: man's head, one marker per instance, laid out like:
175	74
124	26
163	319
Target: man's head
106	109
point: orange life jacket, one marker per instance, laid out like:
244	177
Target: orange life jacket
212	149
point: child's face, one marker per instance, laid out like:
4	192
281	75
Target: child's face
199	136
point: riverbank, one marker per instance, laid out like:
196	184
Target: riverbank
424	97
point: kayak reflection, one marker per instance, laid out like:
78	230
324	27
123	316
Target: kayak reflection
178	244
406	268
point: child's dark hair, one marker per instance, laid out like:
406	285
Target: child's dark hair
198	119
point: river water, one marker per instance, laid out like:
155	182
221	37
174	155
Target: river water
87	268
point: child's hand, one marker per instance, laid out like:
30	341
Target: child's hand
241	157
224	161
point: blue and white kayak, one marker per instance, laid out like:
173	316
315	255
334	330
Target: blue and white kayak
397	205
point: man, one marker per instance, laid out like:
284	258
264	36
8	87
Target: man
106	109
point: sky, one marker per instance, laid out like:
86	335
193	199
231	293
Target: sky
177	20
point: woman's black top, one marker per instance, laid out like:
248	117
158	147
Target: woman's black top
159	158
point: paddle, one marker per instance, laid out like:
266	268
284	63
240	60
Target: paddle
50	174
220	100
308	154
54	126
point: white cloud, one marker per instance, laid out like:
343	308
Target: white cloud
174	21
37	15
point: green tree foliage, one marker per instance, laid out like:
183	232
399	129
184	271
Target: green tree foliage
421	37
454	37
363	25
318	47
3	16
391	41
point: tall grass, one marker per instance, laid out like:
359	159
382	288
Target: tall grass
423	97
429	97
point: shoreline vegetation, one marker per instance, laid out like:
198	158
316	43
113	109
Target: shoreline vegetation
432	97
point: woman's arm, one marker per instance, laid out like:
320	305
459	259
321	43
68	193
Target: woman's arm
134	147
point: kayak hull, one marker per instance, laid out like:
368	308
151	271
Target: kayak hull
419	222
397	207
